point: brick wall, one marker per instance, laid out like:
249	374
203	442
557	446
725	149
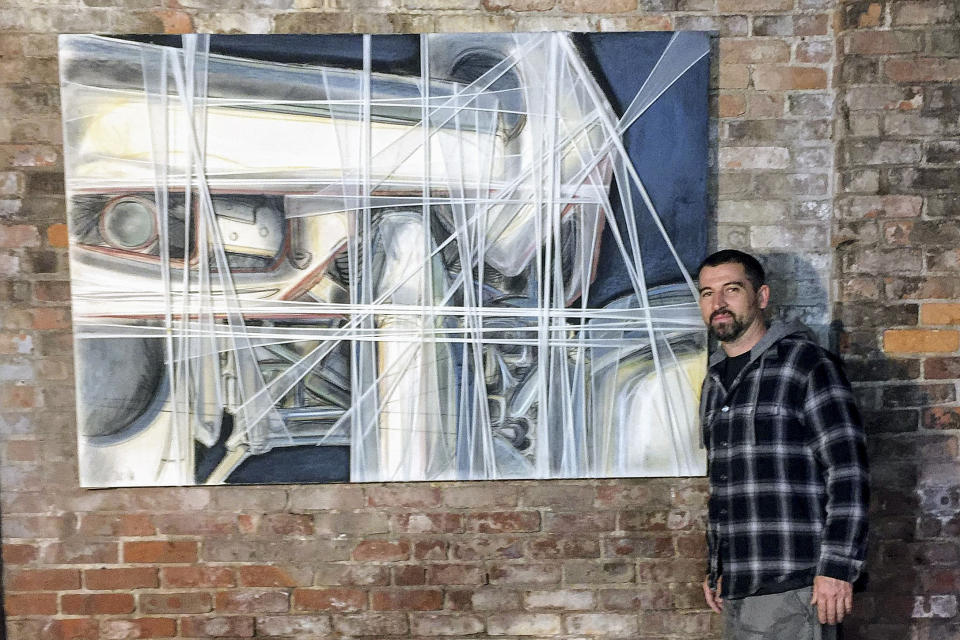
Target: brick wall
897	233
835	158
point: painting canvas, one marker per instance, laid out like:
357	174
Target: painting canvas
386	258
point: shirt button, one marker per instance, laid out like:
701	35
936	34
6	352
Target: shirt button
725	409
723	476
723	512
724	444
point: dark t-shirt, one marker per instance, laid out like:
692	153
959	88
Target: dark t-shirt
732	368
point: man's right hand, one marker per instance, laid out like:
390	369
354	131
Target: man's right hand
713	596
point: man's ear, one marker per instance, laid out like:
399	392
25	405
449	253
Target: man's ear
763	296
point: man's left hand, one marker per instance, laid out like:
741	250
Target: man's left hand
833	599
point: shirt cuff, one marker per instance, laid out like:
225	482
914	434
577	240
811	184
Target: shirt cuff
840	568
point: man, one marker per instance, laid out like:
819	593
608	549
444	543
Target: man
786	462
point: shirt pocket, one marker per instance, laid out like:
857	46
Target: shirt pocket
771	423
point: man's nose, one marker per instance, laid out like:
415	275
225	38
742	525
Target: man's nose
718	301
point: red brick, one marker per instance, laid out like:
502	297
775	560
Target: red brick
782	78
121	578
185	602
503	521
197	576
44	580
16	236
96	603
160	551
217	627
252	601
46	319
19	553
382	550
265	576
125	524
409	576
450	573
627	493
941	418
30	604
406	600
72	629
329	599
129	629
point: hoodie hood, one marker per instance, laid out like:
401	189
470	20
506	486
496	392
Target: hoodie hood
776	332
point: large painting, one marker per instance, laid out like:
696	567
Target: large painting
386	258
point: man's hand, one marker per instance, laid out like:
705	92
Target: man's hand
713	597
833	599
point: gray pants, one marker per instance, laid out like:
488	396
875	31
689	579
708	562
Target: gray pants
780	616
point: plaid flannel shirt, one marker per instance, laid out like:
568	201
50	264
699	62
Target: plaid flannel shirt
787	467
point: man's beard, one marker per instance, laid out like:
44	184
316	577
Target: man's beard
730	331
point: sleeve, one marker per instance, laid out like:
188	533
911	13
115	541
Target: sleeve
839	443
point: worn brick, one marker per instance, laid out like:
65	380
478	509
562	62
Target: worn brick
453	573
179	602
382	550
445	624
527	573
406	599
503	521
217	627
524	624
339	599
351	574
561	599
371	624
128	629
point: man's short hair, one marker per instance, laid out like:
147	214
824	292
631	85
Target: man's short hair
751	266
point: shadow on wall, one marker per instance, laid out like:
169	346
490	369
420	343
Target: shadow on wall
798	292
915	494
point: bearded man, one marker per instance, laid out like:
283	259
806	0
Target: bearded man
786	462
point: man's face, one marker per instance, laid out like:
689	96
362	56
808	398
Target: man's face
728	303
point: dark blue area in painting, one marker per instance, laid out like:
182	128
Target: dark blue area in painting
668	147
295	465
389	53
